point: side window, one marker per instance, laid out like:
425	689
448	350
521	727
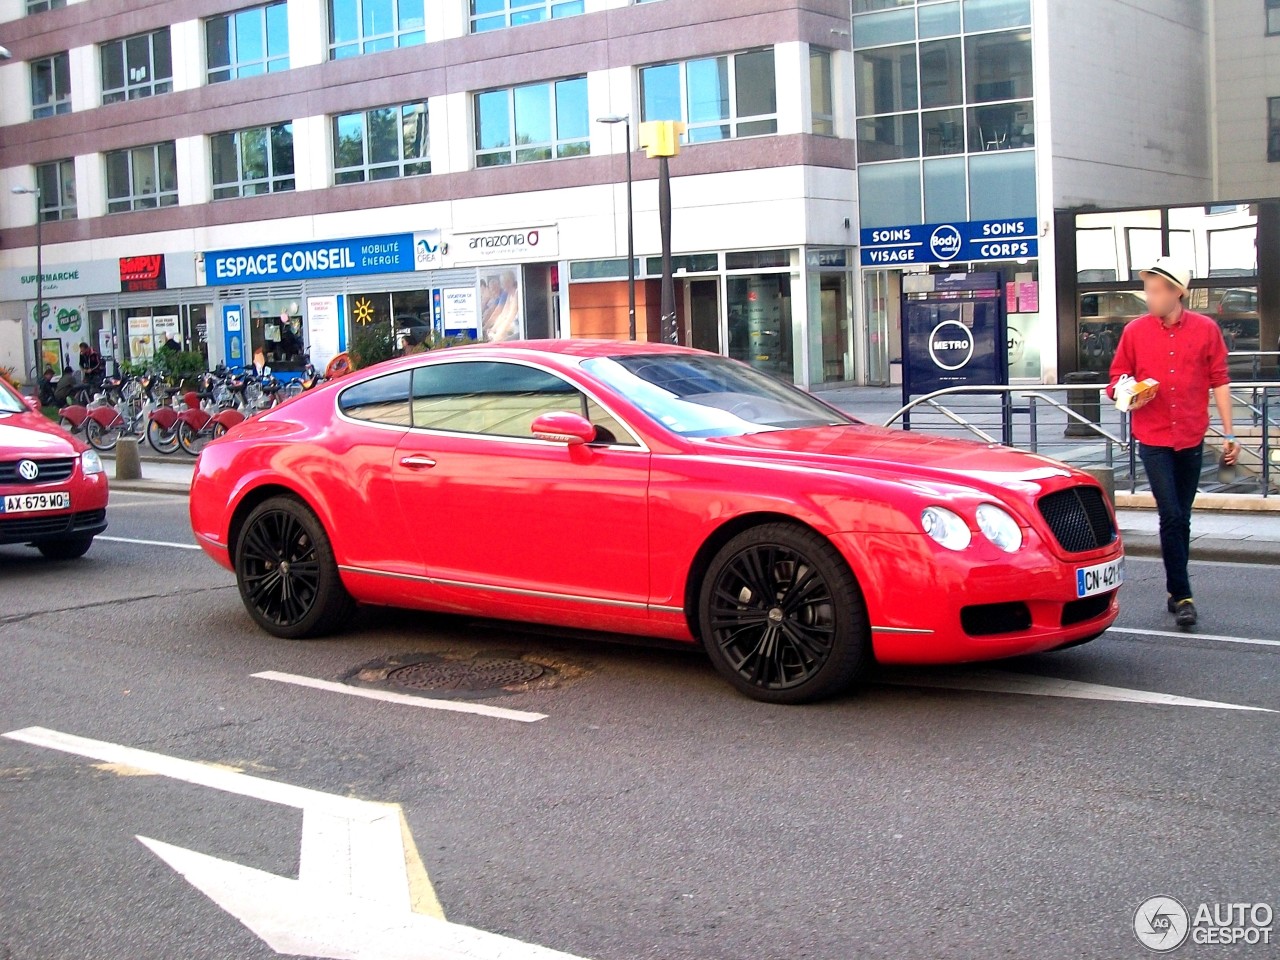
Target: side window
496	399
608	429
380	400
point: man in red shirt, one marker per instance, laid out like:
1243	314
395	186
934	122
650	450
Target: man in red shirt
1185	352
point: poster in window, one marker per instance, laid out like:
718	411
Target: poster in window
500	316
460	315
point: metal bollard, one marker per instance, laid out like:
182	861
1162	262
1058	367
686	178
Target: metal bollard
128	463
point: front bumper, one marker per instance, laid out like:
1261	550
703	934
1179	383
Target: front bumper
86	518
45	527
927	604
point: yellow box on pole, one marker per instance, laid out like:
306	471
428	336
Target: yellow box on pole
661	138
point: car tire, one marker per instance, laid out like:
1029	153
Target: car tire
65	549
287	574
782	617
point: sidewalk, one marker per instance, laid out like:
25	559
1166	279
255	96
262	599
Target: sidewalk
1216	534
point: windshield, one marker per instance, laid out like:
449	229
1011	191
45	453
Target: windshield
707	396
10	402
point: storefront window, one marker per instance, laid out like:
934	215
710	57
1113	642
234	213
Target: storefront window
759	308
1218	244
148	328
275	334
830	335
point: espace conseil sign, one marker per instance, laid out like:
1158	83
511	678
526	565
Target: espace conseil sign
945	242
326	258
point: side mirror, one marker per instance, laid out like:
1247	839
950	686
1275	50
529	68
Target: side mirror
33	403
563	427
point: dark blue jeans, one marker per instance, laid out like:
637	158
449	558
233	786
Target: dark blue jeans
1174	476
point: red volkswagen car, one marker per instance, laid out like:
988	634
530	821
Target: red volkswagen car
654	490
53	491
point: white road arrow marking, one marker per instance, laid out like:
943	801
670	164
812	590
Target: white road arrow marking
361	892
993	681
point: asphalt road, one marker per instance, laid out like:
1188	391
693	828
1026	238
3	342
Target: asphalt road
653	813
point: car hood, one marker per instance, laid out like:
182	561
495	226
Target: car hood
861	449
32	434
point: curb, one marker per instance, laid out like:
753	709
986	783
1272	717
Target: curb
149	486
1262	552
1214	502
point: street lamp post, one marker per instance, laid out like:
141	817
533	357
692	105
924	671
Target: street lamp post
35	191
661	140
631	229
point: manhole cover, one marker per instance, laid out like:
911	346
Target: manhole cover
480	673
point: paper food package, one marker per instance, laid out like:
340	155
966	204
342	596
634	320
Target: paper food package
1130	392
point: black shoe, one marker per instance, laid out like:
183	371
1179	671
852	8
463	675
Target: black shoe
1173	606
1187	613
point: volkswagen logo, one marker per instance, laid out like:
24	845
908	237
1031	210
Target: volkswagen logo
28	469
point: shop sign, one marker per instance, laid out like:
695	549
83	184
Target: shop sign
1014	239
394	253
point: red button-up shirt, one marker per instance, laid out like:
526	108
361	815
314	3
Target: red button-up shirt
1188	358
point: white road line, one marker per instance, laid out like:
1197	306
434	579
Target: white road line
992	681
201	774
1179	635
150	543
404	699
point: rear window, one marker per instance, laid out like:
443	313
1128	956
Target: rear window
380	400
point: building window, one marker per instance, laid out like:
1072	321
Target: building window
40	6
248	43
57	183
1273	129
539	121
137	67
370	26
1273	17
717	98
822	92
998	66
251	162
142	178
496	14
50	86
381	144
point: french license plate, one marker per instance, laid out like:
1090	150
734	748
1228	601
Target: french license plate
35	502
1100	578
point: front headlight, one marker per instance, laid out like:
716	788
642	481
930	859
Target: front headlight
90	462
945	527
999	527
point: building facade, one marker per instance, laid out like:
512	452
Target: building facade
298	170
264	181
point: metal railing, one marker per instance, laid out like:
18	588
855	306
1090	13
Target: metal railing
1079	425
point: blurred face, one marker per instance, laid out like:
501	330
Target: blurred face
1163	298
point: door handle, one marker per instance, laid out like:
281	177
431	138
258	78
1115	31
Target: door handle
417	462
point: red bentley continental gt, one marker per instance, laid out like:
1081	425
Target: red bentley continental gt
655	490
53	491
